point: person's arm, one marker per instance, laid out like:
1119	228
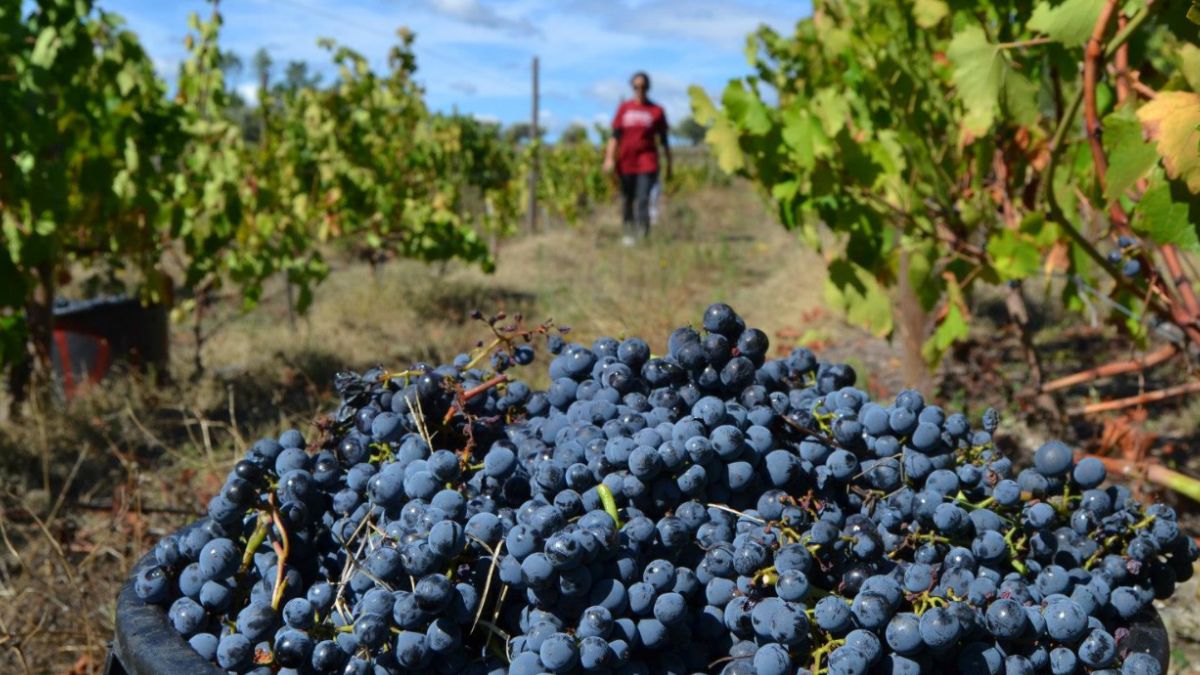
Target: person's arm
664	132
610	154
666	145
610	149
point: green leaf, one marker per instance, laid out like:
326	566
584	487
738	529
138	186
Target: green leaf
1129	156
12	286
1070	22
1172	120
46	48
1164	215
1013	256
830	106
860	296
1021	99
1189	65
929	13
803	135
952	328
979	70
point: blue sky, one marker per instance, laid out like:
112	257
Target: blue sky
474	55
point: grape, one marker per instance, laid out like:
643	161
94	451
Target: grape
903	634
559	653
153	585
1053	458
1141	664
292	648
1065	621
772	659
234	652
1089	473
204	644
219	559
662	514
939	627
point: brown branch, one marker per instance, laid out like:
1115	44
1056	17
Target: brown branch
1093	55
1143	89
1148	360
1153	472
1091	64
1121	61
1128	402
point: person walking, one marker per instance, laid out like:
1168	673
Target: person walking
639	127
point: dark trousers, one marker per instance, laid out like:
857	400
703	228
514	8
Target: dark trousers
635	202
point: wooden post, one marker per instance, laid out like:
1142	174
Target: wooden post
533	159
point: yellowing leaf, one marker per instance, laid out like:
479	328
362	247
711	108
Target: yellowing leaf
723	139
1069	22
928	13
1171	120
703	110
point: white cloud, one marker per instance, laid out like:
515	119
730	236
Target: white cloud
607	91
475	13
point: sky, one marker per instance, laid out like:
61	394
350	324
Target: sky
474	56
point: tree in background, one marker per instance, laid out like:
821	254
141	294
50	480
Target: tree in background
521	132
690	130
576	133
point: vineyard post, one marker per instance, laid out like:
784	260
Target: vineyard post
533	155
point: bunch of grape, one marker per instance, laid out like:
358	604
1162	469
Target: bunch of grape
707	510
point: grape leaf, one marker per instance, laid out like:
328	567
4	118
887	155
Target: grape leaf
952	328
1129	155
1013	256
1164	215
853	290
979	71
1069	22
1021	98
803	135
1171	120
703	109
1189	65
928	13
723	139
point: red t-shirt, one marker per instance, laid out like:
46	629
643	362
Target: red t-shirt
637	125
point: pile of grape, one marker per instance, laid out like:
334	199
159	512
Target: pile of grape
708	510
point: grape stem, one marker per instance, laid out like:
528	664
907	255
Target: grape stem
255	540
282	548
610	504
470	394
